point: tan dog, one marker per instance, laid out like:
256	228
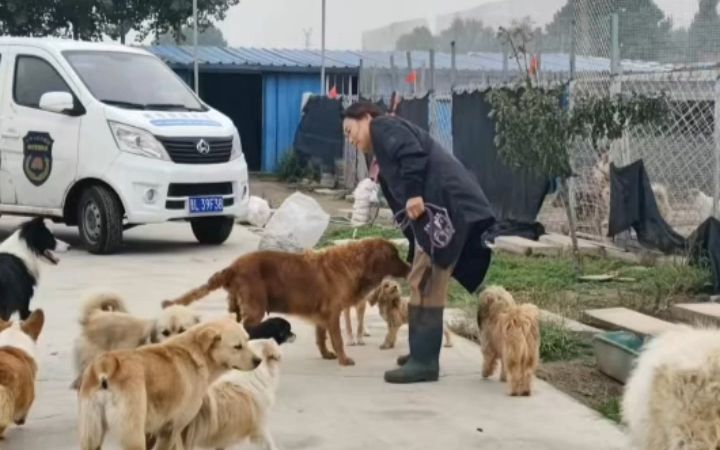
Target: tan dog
107	325
394	310
317	286
158	389
18	368
509	333
236	406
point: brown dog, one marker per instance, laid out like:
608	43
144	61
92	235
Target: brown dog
317	286
394	311
18	368
158	389
509	333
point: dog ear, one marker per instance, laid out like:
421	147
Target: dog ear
34	324
166	304
374	295
395	302
208	338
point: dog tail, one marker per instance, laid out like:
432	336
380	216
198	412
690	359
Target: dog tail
100	301
215	282
7	409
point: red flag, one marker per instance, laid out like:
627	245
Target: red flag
534	66
333	94
411	78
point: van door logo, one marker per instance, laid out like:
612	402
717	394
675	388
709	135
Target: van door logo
203	147
37	161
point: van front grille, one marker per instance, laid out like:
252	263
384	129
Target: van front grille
195	189
185	150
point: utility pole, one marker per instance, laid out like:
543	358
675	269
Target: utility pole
322	63
308	37
195	41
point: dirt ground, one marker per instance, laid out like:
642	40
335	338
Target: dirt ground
275	192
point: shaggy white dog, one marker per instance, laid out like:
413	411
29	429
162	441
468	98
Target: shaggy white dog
672	399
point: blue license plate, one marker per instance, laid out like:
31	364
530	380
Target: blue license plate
205	204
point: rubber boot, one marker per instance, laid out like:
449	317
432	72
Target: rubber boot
402	359
425	345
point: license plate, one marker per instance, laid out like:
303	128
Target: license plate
205	204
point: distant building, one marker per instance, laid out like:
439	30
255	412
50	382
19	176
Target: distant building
384	38
502	13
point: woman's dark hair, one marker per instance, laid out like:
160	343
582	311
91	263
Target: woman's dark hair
361	109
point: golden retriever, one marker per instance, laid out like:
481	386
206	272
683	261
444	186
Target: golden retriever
393	309
107	325
236	406
509	333
18	368
157	389
671	398
317	286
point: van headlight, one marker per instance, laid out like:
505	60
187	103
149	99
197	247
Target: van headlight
137	141
236	146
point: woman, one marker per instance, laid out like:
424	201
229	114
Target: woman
414	171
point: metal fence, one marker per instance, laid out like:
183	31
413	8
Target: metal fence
613	50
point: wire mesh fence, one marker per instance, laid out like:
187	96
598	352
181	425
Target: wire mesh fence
602	48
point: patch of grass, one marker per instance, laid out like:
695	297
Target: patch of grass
611	409
346	232
558	343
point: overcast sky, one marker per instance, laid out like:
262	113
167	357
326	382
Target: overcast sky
280	23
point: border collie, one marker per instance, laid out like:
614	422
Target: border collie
20	256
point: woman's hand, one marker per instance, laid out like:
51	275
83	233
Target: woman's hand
415	208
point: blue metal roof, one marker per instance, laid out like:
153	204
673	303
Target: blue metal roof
303	60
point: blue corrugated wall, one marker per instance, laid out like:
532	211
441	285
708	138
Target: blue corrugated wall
281	113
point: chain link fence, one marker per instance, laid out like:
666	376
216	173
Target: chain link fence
602	48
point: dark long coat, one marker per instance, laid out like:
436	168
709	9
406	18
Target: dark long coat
413	164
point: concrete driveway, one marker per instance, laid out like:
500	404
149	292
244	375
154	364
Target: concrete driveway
320	405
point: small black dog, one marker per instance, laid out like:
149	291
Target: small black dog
274	327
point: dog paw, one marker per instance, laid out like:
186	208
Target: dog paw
366	334
329	355
360	342
351	343
448	344
20	422
385	347
525	394
347	362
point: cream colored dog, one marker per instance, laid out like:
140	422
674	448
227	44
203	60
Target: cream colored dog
107	325
158	389
236	406
671	399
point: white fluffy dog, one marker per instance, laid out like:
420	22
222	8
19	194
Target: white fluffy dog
236	406
672	399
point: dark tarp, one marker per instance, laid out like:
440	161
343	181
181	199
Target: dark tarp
415	110
516	198
633	205
380	103
319	137
705	249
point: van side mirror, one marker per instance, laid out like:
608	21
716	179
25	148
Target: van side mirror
57	102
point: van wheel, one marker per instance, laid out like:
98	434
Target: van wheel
100	220
212	230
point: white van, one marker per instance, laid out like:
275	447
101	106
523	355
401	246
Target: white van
107	137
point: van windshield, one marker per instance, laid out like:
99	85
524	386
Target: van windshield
132	81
